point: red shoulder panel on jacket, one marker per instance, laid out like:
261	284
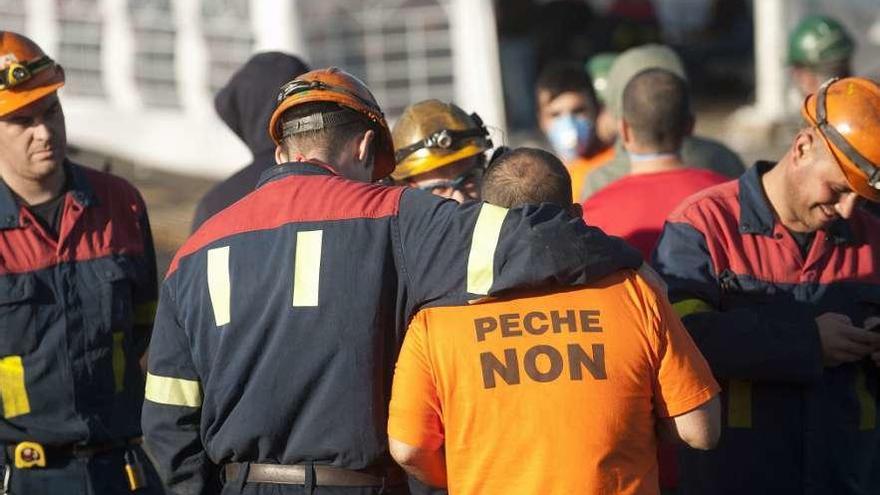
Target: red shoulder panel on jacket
293	199
110	227
715	212
118	200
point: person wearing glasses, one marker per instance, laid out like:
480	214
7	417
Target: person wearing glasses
775	276
441	149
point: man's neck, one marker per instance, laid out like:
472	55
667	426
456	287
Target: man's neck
34	192
652	162
775	187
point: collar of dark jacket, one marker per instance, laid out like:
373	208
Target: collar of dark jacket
757	217
294	168
77	185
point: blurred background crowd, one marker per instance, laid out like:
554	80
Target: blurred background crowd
142	75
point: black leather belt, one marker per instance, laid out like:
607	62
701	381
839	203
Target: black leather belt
324	475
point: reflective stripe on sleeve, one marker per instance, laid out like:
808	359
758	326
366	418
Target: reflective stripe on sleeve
739	404
690	306
218	284
145	313
867	402
12	387
307	268
119	360
481	260
173	391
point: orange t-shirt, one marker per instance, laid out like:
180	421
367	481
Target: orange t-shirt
580	167
553	394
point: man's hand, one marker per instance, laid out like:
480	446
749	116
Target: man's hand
844	343
870	323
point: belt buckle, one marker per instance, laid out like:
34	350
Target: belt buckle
29	455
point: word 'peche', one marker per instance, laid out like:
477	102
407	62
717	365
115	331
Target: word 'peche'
538	323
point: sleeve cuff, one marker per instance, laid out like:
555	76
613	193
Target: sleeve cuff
679	407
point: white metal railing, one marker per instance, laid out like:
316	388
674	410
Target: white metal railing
141	74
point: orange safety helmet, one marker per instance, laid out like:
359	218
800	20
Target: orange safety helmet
26	73
847	114
336	86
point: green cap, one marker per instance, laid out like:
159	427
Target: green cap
818	40
629	63
599	66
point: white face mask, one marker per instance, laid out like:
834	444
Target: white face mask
570	136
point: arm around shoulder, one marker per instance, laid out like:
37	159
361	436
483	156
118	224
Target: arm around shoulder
482	249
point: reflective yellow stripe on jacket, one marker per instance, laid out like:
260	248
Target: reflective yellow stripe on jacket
145	313
12	387
173	391
867	402
481	260
739	392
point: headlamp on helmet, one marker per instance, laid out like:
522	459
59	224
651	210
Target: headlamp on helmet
431	134
446	139
17	73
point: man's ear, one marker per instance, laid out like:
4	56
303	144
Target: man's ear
280	155
576	210
364	143
624	132
804	145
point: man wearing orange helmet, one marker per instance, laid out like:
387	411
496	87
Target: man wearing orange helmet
775	276
280	319
440	149
77	296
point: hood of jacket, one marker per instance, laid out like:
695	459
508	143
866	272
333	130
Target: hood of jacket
246	102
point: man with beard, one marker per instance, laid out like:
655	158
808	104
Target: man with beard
775	276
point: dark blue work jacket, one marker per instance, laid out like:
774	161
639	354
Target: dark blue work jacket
280	319
750	298
75	314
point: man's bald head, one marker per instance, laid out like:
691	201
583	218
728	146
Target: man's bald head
657	108
527	175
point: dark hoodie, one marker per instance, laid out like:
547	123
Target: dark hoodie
245	104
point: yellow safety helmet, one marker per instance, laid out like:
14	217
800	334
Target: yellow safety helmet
431	134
